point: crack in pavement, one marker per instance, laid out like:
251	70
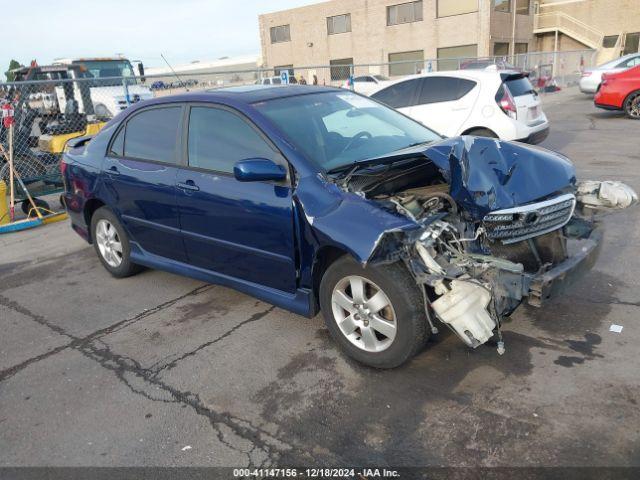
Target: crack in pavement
16	307
122	366
173	363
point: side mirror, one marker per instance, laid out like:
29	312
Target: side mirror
258	170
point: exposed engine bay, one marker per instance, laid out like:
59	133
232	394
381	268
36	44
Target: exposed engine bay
475	271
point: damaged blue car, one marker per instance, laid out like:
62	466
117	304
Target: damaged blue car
319	199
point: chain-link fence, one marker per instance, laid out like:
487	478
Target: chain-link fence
48	113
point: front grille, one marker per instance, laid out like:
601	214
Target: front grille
520	223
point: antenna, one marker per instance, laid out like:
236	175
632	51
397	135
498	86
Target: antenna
174	72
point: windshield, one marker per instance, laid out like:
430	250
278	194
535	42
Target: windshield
107	69
337	129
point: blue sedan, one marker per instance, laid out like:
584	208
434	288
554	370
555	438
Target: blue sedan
315	198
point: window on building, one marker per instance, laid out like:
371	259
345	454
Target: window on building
152	134
502	5
610	41
449	58
411	62
341	68
218	139
631	43
339	24
443	89
522	7
521	48
280	33
404	13
447	8
500	49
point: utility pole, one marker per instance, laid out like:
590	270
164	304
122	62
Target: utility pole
513	31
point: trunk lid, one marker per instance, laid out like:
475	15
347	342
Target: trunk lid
527	101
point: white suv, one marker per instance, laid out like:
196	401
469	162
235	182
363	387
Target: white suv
492	103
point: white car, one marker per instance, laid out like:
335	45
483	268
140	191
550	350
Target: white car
592	77
366	84
491	103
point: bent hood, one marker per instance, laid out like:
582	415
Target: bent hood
486	174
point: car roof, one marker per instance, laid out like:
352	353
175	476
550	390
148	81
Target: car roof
247	93
473	74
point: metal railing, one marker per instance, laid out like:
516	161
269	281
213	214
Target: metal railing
548	22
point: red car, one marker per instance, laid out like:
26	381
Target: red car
620	91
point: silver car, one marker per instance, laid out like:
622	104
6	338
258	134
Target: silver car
592	77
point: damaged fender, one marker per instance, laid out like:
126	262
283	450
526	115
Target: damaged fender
346	220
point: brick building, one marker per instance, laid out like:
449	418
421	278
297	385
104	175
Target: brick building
341	32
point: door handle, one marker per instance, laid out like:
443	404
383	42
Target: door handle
113	170
188	185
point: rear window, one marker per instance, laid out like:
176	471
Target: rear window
519	86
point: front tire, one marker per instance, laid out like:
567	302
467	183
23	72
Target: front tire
632	105
375	313
111	243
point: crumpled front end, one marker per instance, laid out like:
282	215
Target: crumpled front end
497	224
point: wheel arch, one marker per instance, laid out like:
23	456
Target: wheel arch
323	259
470	130
632	93
89	209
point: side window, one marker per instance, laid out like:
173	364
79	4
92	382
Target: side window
399	95
464	87
117	145
218	139
633	62
152	134
629	63
443	89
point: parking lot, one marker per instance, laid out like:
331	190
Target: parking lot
160	370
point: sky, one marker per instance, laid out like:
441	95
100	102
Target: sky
182	30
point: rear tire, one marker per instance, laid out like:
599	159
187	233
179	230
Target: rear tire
482	132
632	105
111	243
399	327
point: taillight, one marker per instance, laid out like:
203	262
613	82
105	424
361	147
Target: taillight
63	167
506	102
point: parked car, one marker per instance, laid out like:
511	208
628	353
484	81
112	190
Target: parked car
490	103
158	85
591	77
357	211
276	80
620	91
365	84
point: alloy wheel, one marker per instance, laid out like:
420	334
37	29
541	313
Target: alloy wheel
109	243
364	314
634	106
